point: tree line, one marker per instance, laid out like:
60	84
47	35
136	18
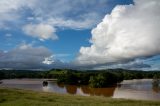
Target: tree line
93	78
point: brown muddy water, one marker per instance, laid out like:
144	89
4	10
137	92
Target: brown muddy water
129	89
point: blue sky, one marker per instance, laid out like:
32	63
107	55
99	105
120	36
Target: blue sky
64	30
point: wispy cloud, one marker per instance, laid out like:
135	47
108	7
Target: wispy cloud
72	14
8	35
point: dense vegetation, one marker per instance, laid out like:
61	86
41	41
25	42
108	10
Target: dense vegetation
99	78
15	97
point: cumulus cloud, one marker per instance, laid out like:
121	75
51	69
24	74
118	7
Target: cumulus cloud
25	56
129	32
41	31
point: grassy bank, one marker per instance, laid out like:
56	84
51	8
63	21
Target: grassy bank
16	97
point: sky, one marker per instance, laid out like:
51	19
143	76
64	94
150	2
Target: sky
80	34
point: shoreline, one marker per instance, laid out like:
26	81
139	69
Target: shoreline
21	97
113	92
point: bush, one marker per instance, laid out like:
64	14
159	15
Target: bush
103	80
68	78
2	75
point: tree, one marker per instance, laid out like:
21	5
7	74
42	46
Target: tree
2	75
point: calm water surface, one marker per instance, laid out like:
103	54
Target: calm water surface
129	89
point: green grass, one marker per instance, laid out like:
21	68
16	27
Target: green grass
17	97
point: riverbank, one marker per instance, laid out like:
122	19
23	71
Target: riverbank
17	97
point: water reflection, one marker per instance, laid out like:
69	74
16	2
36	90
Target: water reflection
45	83
61	85
107	92
156	85
130	89
46	88
71	89
82	90
85	90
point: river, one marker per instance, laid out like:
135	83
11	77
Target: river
129	89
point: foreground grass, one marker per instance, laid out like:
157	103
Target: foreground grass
16	97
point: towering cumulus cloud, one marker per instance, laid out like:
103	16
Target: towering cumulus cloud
129	32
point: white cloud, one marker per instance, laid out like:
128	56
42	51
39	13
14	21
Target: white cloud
10	11
72	14
14	5
86	23
41	31
49	60
129	32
